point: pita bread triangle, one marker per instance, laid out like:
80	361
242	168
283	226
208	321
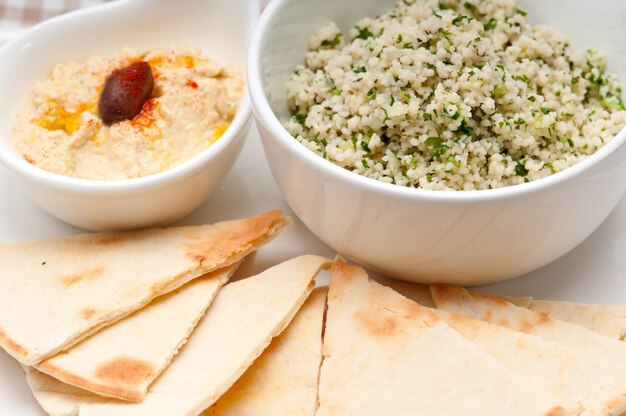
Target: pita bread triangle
605	320
283	380
239	325
499	311
122	360
421	294
589	384
386	355
54	293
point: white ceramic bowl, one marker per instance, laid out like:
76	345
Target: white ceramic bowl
432	236
220	28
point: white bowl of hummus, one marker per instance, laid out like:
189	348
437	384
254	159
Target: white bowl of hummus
98	164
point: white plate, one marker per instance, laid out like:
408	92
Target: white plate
593	272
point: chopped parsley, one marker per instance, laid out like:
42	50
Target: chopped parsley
364	33
465	129
300	118
471	8
446	33
520	169
490	25
613	103
457	21
522	78
365	144
433	141
332	42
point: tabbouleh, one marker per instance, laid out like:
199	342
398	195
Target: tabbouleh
453	95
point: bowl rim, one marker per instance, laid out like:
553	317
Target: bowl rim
268	118
19	166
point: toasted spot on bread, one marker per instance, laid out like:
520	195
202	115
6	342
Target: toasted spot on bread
87	313
528	325
543	318
12	346
504	322
109	239
556	411
72	279
348	272
618	403
487	316
120	392
125	370
444	294
414	310
378	326
206	248
496	300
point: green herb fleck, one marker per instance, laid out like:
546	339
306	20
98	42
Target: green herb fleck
364	33
360	70
332	42
545	110
613	103
457	21
490	25
522	78
365	143
335	91
453	116
465	129
520	169
446	33
440	150
433	141
471	8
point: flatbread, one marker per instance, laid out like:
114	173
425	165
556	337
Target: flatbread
583	381
122	360
386	355
239	325
54	293
605	320
421	294
414	291
499	311
283	380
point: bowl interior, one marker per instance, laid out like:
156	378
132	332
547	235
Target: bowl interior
220	28
590	25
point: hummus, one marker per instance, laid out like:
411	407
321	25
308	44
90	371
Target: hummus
193	101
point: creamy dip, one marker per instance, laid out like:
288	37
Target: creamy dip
193	101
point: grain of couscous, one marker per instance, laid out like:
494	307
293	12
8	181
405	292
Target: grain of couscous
453	95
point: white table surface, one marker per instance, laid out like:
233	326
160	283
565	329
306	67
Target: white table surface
591	273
